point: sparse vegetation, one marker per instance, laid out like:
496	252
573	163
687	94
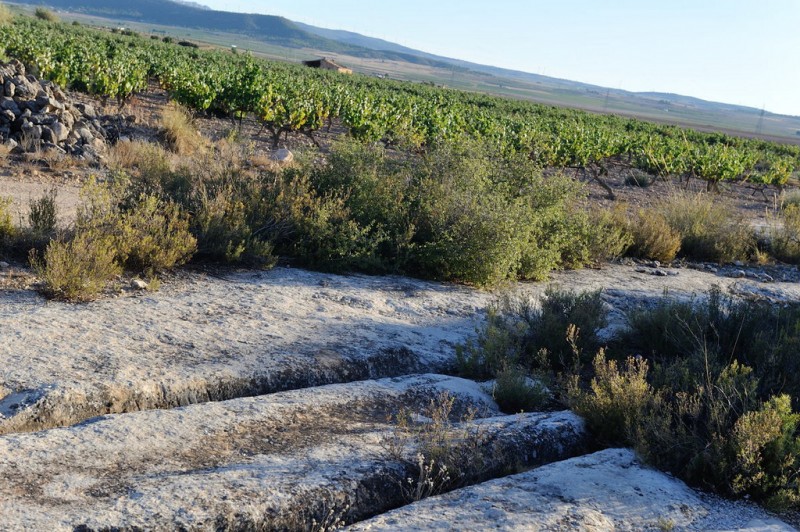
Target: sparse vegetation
446	454
557	332
784	234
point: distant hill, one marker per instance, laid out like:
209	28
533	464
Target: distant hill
277	30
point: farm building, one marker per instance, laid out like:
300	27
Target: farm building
327	64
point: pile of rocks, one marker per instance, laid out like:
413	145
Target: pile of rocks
37	115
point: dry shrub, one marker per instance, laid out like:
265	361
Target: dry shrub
6	225
146	157
618	398
784	234
78	269
448	454
5	150
46	15
710	228
55	160
43	215
653	237
179	131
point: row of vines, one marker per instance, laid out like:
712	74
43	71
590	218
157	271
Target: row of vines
292	99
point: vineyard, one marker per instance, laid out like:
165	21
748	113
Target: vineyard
290	99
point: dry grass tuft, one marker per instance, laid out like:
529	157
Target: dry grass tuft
653	238
5	151
709	227
180	134
56	160
6	16
139	156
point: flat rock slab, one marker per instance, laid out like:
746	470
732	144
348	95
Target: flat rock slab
205	338
608	490
274	461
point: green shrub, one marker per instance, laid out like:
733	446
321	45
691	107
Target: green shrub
763	336
43	215
598	235
709	228
154	236
149	235
77	269
556	332
459	212
652	237
224	233
45	14
717	435
515	392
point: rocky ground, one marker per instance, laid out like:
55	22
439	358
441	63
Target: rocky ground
264	400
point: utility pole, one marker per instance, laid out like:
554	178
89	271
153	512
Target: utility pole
760	125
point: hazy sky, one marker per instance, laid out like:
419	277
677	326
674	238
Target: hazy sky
736	51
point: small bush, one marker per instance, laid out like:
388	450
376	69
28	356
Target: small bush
515	392
78	269
43	215
154	236
599	235
7	228
789	198
717	434
653	238
224	233
167	39
618	401
45	14
639	179
709	228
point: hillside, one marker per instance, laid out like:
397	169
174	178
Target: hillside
164	12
